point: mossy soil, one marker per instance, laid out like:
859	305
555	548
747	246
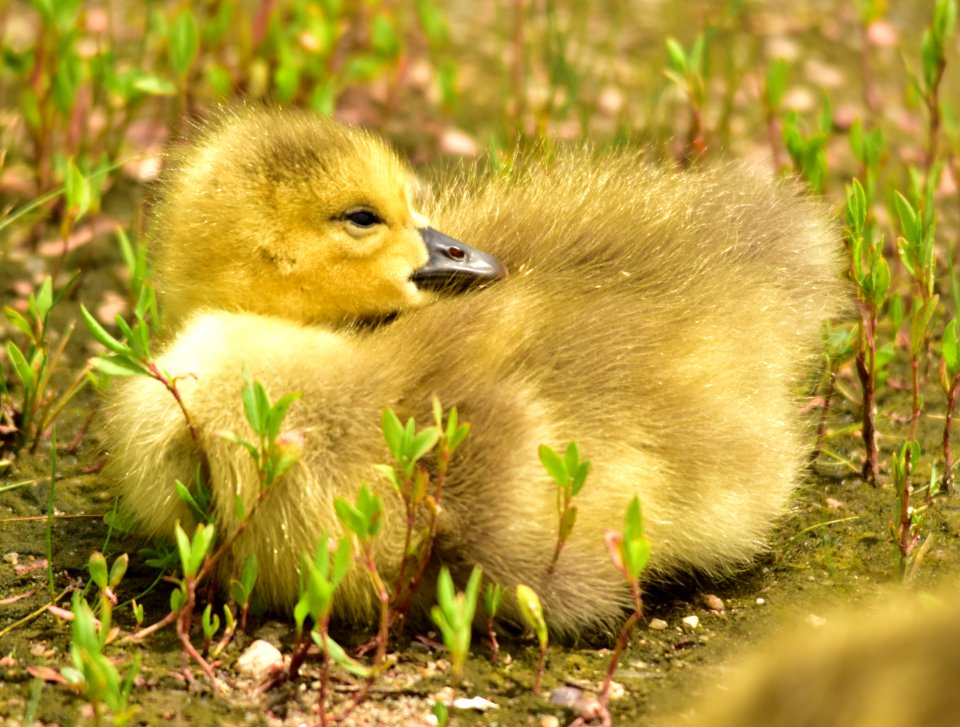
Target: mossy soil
833	550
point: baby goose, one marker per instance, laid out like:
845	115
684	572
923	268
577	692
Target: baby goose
662	320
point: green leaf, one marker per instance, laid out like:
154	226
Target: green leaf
339	656
350	518
97	565
950	349
17	319
277	413
342	559
118	366
210	621
676	56
184	548
118	570
151	85
178	600
76	190
553	464
532	612
44	299
101	335
493	597
776	83
385	40
187	497
944	19
184	40
203	538
253	405
22	368
423	443
909	219
392	432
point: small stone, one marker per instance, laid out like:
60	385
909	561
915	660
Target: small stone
549	721
617	691
691	622
260	661
477	704
834	504
815	621
761	601
12	557
712	602
458	143
657	624
565	696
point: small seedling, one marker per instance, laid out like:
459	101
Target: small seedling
871	274
363	520
570	474
906	533
412	482
107	584
133	357
630	553
493	597
241	589
532	612
93	675
808	150
453	615
319	579
34	366
274	452
685	69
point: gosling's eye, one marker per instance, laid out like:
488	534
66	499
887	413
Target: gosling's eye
363	218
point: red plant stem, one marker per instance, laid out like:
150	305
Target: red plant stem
947	482
774	134
915	410
184	620
540	666
300	649
494	644
824	411
933	106
870	96
403	601
634	619
384	597
171	385
556	556
324	678
866	371
906	540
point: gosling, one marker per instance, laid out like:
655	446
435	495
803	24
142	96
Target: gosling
664	321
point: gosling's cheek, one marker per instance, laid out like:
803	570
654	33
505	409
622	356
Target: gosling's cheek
415	297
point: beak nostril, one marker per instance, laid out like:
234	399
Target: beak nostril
456	253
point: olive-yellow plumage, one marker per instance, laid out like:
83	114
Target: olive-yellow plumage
663	320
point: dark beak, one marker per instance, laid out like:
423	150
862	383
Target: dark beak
455	266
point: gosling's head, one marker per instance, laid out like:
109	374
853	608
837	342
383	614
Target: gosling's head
288	214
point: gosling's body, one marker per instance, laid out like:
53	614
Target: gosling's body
662	320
